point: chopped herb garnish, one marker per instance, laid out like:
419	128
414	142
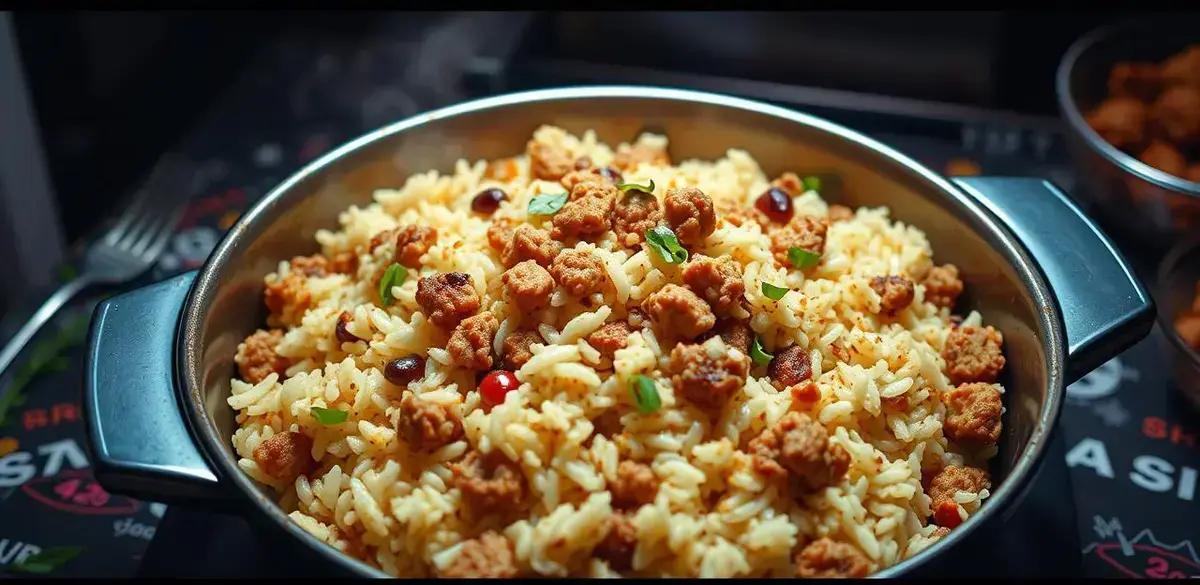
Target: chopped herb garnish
773	292
645	395
812	183
547	203
801	258
394	275
46	561
663	240
625	187
329	416
758	354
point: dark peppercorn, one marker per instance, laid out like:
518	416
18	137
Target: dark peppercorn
343	335
488	200
403	370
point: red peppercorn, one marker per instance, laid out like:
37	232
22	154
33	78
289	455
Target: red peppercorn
343	335
488	200
496	384
403	370
776	204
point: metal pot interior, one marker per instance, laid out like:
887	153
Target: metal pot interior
1001	282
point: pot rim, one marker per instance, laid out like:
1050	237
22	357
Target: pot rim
1077	125
189	350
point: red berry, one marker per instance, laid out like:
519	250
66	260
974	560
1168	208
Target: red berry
777	204
343	335
496	384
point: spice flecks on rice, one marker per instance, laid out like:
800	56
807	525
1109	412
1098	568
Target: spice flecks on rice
638	434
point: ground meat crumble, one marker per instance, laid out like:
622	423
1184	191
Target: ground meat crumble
427	426
609	338
707	374
285	456
895	293
717	280
806	232
634	213
942	285
514	350
579	272
636	485
691	215
489	483
973	354
489	556
678	312
530	243
470	344
799	447
826	558
447	298
528	285
256	357
412	241
973	414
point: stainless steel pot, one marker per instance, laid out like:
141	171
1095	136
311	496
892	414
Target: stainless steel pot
1133	199
160	358
1176	289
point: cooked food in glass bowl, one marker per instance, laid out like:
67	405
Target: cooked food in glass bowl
663	358
595	361
1179	313
1153	112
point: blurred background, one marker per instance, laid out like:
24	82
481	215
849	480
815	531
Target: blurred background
97	97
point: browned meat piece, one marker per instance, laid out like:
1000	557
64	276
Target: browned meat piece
942	285
1176	115
678	312
740	214
547	162
733	332
799	447
586	213
470	345
791	183
973	354
1183	68
285	456
953	479
825	558
629	157
691	215
609	338
287	298
597	174
1133	79
256	358
488	483
412	241
489	556
806	232
1121	121
634	213
840	213
515	348
974	414
1187	324
619	543
447	298
315	265
1164	157
427	426
789	367
895	293
528	285
579	272
530	243
635	486
704	379
344	263
378	239
500	233
716	280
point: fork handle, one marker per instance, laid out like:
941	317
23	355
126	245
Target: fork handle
51	306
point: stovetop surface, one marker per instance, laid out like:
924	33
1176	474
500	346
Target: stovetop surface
1115	495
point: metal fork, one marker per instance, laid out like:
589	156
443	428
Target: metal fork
123	253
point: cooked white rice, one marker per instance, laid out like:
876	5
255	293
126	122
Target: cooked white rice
714	514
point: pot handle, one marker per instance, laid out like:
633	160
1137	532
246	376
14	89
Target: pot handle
139	440
1104	306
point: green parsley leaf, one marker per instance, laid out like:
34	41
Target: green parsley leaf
812	183
329	416
801	258
394	275
625	187
547	203
758	354
773	292
645	394
663	240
